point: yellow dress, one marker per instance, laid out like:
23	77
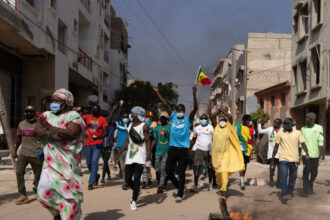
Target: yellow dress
227	155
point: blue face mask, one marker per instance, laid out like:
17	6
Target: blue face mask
180	115
203	122
55	107
250	123
125	120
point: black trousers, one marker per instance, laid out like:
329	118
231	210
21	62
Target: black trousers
134	170
310	171
177	155
106	152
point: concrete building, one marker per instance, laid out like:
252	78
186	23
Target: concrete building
51	44
229	82
310	68
275	100
268	63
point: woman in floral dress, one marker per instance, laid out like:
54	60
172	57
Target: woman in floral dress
63	132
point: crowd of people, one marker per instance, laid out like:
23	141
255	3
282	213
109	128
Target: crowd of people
53	143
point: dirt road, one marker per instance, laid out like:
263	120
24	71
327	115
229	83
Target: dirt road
109	201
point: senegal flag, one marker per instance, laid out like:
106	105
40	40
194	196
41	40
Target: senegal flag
202	79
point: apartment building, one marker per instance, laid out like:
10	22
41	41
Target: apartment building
310	55
229	82
268	62
51	44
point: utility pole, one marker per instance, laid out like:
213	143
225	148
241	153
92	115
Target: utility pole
234	68
6	127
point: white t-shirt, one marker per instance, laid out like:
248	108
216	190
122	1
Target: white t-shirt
204	137
136	153
271	143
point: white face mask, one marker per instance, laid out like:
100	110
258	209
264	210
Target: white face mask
222	124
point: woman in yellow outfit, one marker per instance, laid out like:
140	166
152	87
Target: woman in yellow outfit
227	155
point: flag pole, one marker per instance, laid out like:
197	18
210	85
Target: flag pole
199	68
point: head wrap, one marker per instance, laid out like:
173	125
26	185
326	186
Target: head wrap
64	95
287	124
140	112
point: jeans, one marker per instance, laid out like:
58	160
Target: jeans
93	154
309	174
177	155
134	170
160	166
288	169
21	164
106	152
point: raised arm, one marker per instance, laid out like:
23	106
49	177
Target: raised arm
110	121
195	107
260	129
168	107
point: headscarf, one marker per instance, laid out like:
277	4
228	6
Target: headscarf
140	112
312	116
287	124
64	95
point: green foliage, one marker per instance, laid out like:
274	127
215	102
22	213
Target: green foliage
256	115
141	94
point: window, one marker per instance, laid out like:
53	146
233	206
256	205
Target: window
303	76
295	23
75	25
303	21
62	29
272	99
283	99
262	104
31	2
317	12
295	76
53	4
315	66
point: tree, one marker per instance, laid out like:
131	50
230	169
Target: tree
141	94
256	115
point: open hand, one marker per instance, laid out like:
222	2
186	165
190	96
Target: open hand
155	89
259	119
121	103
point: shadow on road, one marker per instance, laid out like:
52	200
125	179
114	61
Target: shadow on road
109	215
153	198
12	196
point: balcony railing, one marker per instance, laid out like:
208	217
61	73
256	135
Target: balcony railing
85	60
86	4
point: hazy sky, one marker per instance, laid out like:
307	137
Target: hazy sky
202	32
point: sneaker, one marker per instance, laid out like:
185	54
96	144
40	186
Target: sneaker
125	186
271	183
115	168
160	190
178	199
102	181
242	185
175	192
97	179
194	189
133	206
22	199
210	187
290	196
90	187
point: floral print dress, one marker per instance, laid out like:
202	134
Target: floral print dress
59	189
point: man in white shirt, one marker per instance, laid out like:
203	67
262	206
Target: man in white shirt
202	141
271	132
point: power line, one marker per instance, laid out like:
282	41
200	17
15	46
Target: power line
262	71
151	33
55	39
164	36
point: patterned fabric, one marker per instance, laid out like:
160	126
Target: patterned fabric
59	188
273	134
244	138
64	95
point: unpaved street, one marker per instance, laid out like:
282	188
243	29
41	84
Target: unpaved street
109	201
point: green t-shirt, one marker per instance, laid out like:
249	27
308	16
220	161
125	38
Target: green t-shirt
30	145
162	136
314	139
